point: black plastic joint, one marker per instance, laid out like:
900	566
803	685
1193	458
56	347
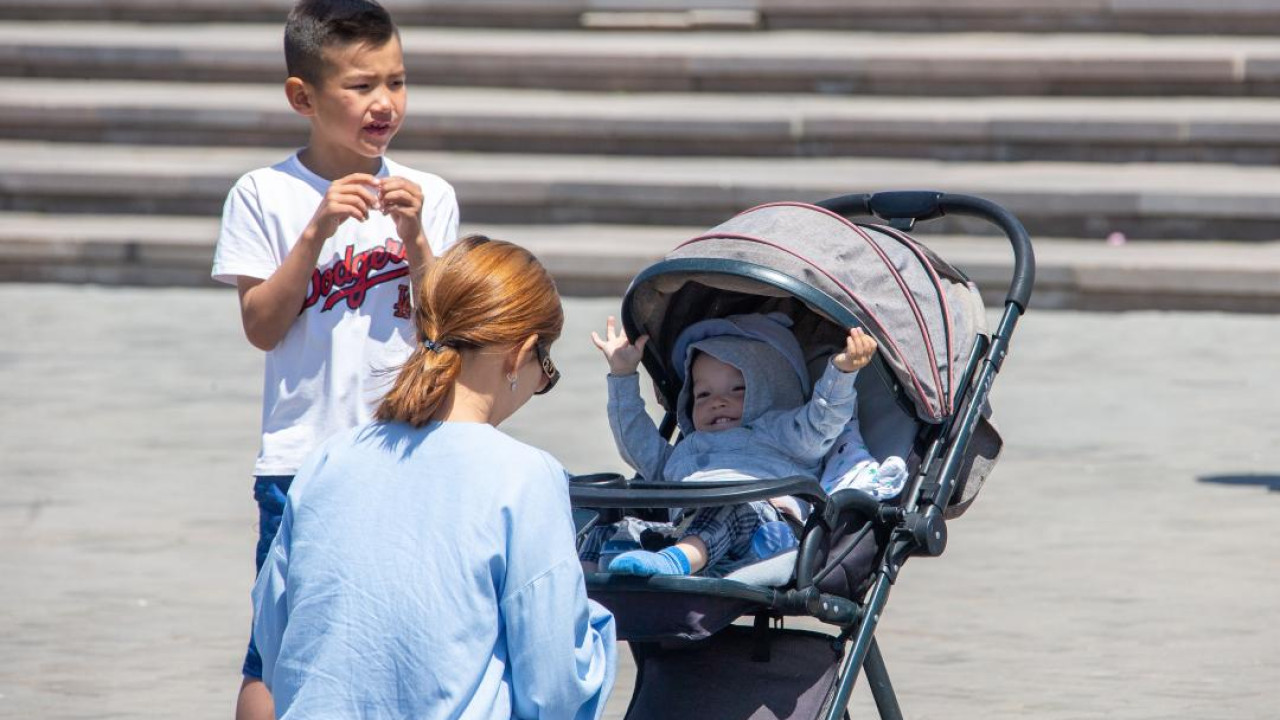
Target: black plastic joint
929	531
800	600
915	205
890	515
835	609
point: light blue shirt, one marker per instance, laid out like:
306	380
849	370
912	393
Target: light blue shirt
430	573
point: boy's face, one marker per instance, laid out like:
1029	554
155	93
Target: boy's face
360	104
718	392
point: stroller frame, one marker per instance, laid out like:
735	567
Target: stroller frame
915	527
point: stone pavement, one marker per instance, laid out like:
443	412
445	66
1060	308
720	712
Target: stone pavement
1122	563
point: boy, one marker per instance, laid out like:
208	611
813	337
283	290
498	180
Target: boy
743	413
325	249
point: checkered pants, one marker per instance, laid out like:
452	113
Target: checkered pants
725	530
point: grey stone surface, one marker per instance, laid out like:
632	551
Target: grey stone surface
595	260
1243	130
1155	16
1122	562
1143	200
782	61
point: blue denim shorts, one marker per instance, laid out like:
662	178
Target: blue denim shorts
270	492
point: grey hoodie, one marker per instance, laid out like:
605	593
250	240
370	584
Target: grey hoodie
780	434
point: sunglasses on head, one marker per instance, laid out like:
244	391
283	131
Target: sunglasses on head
548	369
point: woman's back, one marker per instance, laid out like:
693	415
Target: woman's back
473	530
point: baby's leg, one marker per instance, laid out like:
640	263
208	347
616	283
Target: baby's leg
590	545
716	533
725	532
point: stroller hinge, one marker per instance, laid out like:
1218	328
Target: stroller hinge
927	530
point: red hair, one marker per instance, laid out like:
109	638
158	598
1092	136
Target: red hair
480	293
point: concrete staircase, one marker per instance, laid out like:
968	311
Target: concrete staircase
1243	17
601	132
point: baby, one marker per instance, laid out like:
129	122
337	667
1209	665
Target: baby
743	414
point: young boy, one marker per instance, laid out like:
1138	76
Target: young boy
325	249
743	413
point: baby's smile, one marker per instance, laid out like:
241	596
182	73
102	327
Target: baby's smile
722	422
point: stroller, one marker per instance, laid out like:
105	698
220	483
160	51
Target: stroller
923	398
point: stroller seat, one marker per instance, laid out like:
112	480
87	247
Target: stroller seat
820	579
695	610
775	571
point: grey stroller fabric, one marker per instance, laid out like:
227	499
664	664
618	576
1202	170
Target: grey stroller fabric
924	313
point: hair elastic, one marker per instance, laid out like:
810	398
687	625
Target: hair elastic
432	345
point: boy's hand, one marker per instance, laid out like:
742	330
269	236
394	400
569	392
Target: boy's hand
623	356
859	348
348	197
401	199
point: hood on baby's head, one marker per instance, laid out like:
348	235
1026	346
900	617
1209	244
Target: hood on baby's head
761	347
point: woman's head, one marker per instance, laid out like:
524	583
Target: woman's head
482	297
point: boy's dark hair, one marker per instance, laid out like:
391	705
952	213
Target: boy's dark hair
314	25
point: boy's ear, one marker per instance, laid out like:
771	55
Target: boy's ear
298	93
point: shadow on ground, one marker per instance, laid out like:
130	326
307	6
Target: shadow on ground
1270	482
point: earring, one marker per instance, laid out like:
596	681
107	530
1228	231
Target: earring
512	378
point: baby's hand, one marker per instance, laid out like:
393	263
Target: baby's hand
623	356
859	348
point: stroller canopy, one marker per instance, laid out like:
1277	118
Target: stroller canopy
925	314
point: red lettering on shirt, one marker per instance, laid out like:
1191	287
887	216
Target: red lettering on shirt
351	277
403	307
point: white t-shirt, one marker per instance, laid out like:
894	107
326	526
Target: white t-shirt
355	327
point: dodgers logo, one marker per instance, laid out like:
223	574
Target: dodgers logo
350	278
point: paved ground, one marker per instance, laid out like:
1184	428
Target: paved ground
1122	563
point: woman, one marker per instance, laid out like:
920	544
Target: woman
425	565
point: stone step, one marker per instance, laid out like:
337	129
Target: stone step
1141	16
779	61
602	259
1147	201
1231	130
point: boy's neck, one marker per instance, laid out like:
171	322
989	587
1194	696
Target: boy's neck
334	165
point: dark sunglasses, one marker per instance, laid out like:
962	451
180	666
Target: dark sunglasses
548	369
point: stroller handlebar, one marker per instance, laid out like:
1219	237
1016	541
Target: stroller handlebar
915	205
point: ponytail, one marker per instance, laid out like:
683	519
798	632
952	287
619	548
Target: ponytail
480	293
422	385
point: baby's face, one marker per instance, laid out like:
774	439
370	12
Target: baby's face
718	391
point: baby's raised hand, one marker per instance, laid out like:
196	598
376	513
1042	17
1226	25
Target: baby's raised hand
859	348
623	356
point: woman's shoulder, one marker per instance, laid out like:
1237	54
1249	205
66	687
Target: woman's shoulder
489	444
525	473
